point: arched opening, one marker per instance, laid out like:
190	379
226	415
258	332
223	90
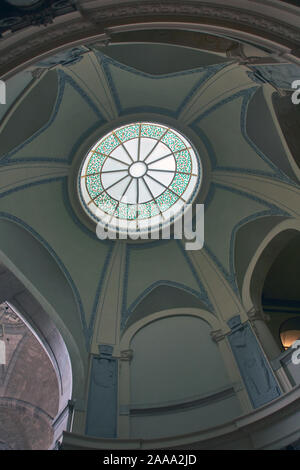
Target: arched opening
271	293
281	293
46	307
29	389
166	381
163	297
35	372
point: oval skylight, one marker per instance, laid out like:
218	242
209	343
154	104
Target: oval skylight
139	176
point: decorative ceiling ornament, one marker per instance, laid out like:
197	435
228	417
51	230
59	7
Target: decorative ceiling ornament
138	177
96	20
23	13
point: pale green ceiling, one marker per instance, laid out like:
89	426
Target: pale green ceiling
93	94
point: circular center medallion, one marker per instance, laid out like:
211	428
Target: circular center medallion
137	169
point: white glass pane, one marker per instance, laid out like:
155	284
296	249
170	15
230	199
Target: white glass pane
120	154
132	148
130	197
160	150
163	177
110	178
167	163
144	194
111	165
147	146
118	189
155	187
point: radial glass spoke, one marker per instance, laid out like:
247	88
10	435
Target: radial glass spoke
139	142
161	150
130	196
112	164
117	189
137	199
120	156
153	197
124	147
168	164
171	171
126	189
144	194
162	184
160	158
161	176
156	187
108	179
112	171
147	146
155	146
132	147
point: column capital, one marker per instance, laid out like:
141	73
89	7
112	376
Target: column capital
258	314
217	335
126	355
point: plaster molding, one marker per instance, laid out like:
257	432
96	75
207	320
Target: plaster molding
217	335
259	426
129	333
183	404
209	9
257	315
250	295
126	355
268	23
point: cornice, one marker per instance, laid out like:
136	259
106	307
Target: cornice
208	10
94	18
252	425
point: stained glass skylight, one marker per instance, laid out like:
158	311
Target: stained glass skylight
138	176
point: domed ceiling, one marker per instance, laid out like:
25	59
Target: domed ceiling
58	108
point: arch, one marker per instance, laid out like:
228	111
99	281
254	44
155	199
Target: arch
261	120
195	312
22	302
44	311
188	409
247	239
163	295
15	131
272	28
265	252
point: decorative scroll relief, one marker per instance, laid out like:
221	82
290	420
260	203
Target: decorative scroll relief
139	176
102	404
280	75
248	18
254	368
68	28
